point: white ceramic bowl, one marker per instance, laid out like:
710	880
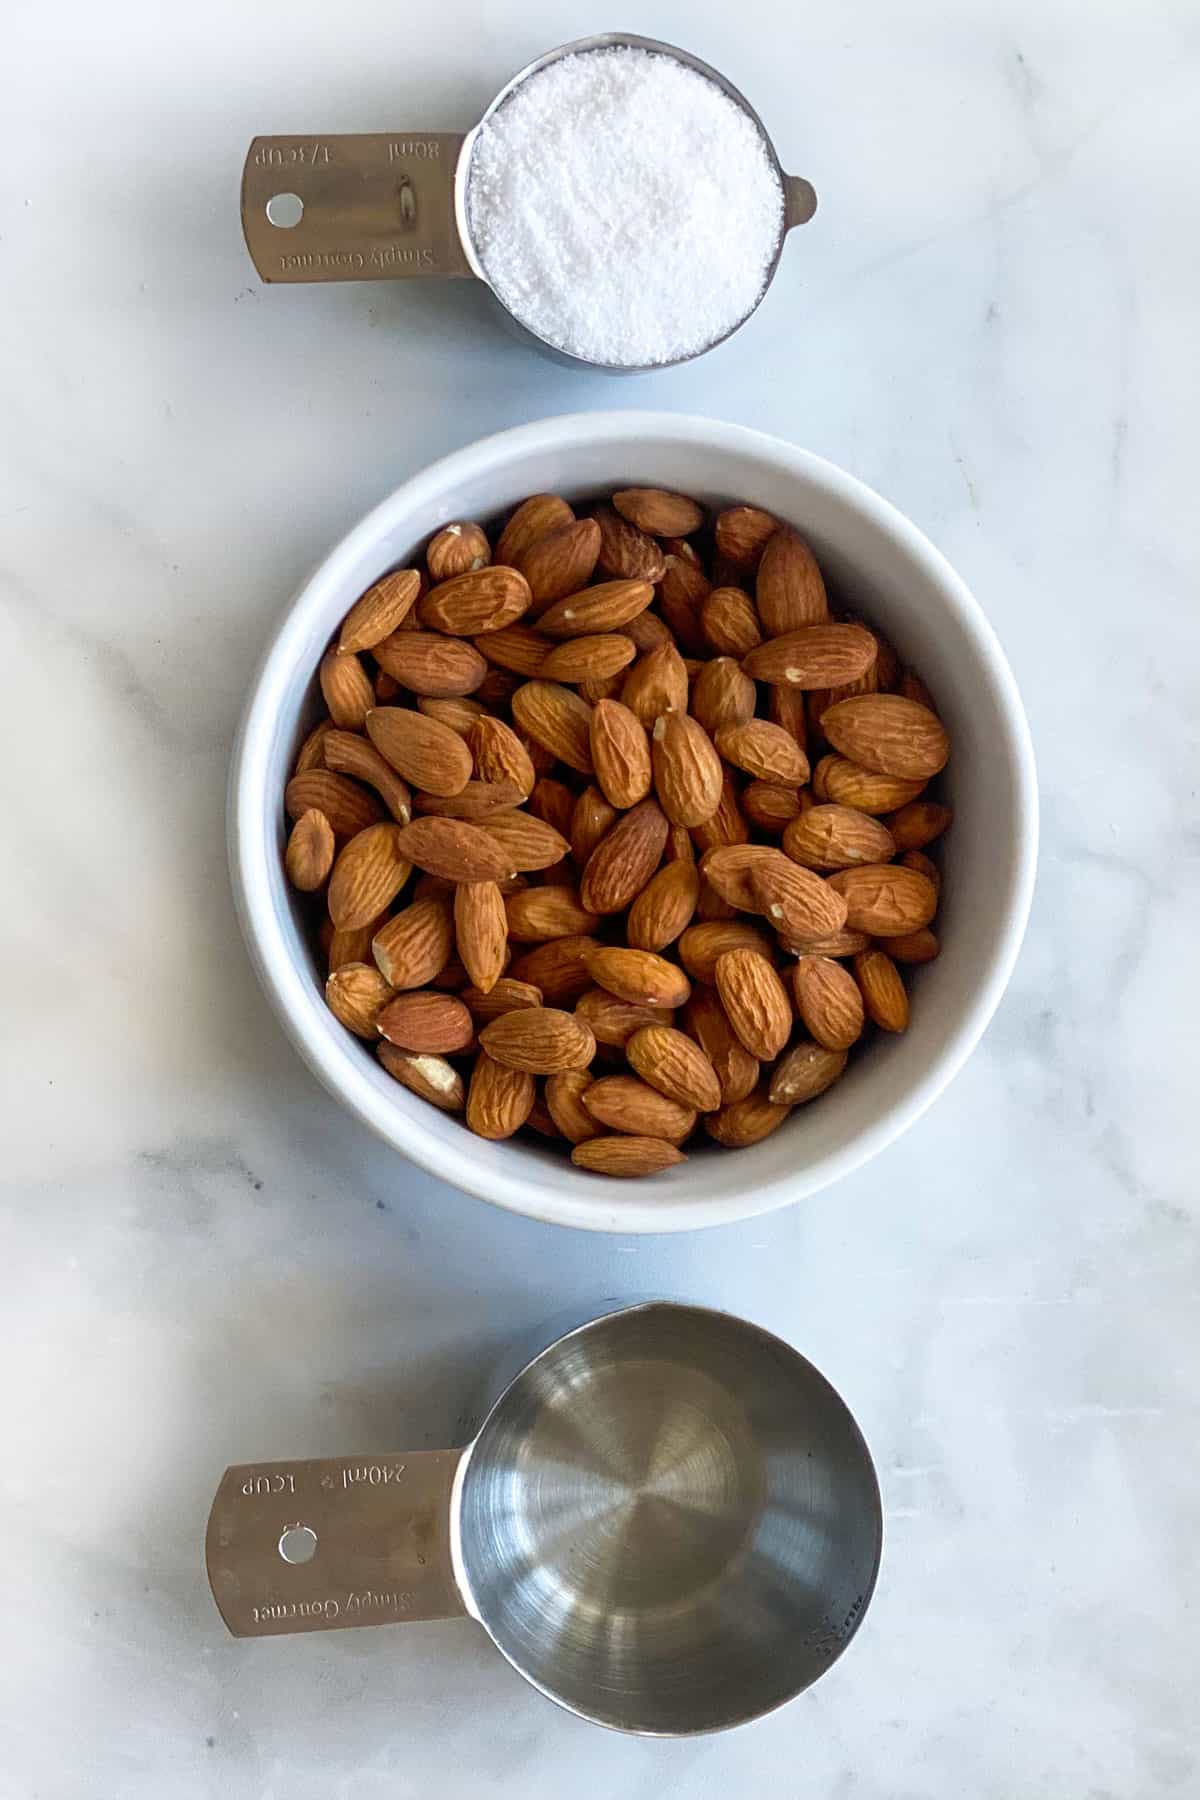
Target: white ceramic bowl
889	571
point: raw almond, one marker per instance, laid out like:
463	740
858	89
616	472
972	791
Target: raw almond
506	995
816	656
638	976
606	607
727	825
481	600
658	683
555	716
347	689
885	899
763	750
664	908
499	1100
518	648
454	849
701	945
755	1002
729	622
681	592
834	943
558	968
592	817
565	1100
837	779
553	803
624	859
704	1020
924	865
913	688
381	611
561	562
414	945
828	1001
771	806
687	770
310	850
658	512
541	913
458	711
626	1103
710	906
889	734
368	874
535	518
785	707
620	753
746	1122
528	842
352	755
480	801
500	755
675	1065
426	1022
743	533
607	687
626	553
540	1119
585	659
621	1156
883	990
348	807
722	694
432	1077
356	993
345	947
423	750
914	825
540	1040
920	946
456	549
427	663
806	1071
647	630
311	754
789	589
612	1021
730	869
480	931
837	837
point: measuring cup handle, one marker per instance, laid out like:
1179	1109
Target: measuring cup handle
321	1545
799	201
374	206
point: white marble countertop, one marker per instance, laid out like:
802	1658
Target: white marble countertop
993	321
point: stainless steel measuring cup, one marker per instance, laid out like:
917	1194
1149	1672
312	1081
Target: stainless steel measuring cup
668	1522
386	206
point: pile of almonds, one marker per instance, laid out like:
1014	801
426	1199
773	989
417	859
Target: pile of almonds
614	827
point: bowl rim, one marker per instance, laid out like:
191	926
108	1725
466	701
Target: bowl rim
634	1208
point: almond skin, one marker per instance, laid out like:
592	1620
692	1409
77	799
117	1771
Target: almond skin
763	750
919	946
626	1156
687	770
627	553
729	622
592	817
701	945
658	683
565	1101
368	874
722	694
888	734
518	648
541	913
885	899
612	1021
424	751
771	806
843	782
557	968
539	1040
638	976
789	590
924	865
458	711
755	1002
647	632
453	849
555	716
345	947
311	754
705	1021
620	753
664	908
607	607
727	825
348	807
499	1100
785	707
681	593
427	663
837	837
658	512
828	1001
432	1077
310	850
561	562
553	803
415	945
349	754
673	1063
426	1022
527	841
481	931
479	801
743	533
456	549
624	859
347	690
745	1122
884	995
481	600
356	993
535	518
806	1071
626	1103
505	995
915	825
586	659
817	656
382	610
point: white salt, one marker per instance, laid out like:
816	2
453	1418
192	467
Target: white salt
624	208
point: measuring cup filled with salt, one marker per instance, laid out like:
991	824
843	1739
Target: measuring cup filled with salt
620	198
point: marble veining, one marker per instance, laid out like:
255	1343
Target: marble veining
992	319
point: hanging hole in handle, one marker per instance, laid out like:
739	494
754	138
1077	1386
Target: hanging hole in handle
298	1544
285	210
